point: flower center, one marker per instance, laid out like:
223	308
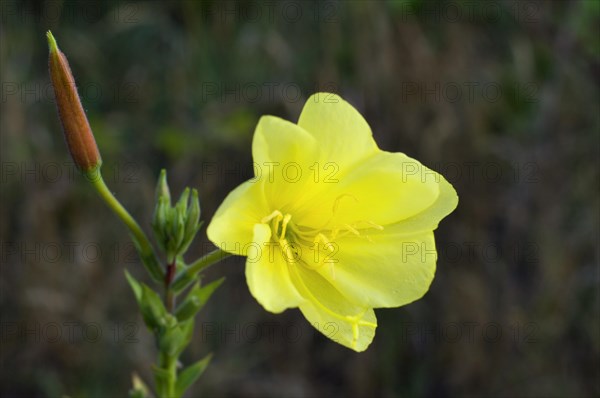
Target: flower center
282	233
311	247
279	224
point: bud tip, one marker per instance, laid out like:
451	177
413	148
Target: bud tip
51	42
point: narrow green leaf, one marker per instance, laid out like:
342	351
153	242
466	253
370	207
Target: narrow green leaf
188	376
196	299
135	286
189	307
150	262
152	308
183	281
174	340
187	329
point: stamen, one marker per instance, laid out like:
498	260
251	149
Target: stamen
286	220
337	200
332	270
271	216
371	224
352	229
320	237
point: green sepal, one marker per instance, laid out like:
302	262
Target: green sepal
196	299
150	262
188	376
173	340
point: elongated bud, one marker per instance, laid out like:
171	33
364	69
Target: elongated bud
162	188
193	213
76	127
182	203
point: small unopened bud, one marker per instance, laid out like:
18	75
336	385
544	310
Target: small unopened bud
76	127
162	187
175	226
193	214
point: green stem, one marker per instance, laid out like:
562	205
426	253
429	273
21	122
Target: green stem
169	363
95	176
169	296
170	280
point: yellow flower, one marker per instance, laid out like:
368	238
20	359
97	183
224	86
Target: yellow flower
331	223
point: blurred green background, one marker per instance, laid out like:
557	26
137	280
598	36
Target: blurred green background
501	97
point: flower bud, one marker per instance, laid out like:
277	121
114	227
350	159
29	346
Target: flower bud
193	214
76	127
182	203
175	226
162	187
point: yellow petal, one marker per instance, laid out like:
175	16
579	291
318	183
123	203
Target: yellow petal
232	226
384	189
343	134
283	155
277	140
428	219
383	269
394	266
331	313
267	273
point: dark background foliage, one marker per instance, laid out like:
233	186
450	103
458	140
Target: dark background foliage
501	97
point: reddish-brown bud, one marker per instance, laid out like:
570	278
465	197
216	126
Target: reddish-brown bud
76	127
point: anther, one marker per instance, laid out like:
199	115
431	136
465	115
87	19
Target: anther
286	220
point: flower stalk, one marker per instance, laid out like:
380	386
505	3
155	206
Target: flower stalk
175	227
